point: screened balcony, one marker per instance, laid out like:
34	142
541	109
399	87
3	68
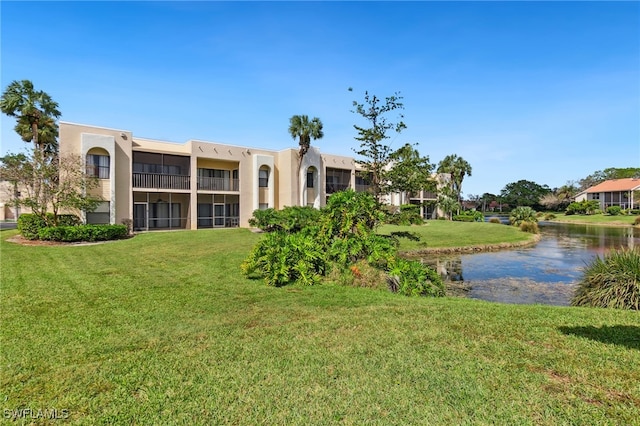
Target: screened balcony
218	180
337	180
160	171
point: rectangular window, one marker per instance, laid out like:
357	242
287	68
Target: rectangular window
263	206
100	215
98	166
310	183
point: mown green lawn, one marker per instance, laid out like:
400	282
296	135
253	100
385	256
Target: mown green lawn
162	329
444	233
600	219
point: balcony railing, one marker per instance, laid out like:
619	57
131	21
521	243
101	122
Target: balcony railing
160	181
218	184
335	187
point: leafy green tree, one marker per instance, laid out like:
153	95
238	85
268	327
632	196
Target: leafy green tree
304	130
486	200
409	172
600	176
13	168
524	193
458	168
373	151
35	114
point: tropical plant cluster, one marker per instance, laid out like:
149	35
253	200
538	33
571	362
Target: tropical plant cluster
614	210
342	242
469	216
525	218
290	219
69	228
586	207
612	281
407	214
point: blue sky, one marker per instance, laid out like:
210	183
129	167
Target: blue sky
543	91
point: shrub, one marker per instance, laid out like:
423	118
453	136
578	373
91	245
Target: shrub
495	220
412	278
549	216
469	216
350	212
611	282
409	214
65	219
637	221
614	210
583	207
289	219
522	214
281	258
29	225
462	218
531	227
634	211
82	233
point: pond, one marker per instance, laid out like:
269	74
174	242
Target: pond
546	273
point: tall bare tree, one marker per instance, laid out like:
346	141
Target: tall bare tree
373	151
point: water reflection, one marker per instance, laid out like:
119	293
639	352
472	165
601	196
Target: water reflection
545	273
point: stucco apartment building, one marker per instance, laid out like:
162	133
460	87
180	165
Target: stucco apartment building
197	184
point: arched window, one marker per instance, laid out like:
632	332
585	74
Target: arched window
312	177
98	163
263	177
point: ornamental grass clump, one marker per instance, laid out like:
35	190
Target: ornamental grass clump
611	282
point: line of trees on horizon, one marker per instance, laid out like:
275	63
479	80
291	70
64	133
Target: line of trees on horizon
540	197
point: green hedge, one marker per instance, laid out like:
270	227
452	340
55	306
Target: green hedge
29	225
83	233
469	216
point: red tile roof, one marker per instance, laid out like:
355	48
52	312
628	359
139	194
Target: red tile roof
614	185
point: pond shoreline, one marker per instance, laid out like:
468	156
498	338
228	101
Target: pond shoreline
609	224
478	248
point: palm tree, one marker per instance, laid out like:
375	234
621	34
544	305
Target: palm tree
566	193
35	114
447	204
458	168
304	130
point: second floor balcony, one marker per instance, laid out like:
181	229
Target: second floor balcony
161	181
218	184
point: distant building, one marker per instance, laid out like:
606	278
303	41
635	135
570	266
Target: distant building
615	192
